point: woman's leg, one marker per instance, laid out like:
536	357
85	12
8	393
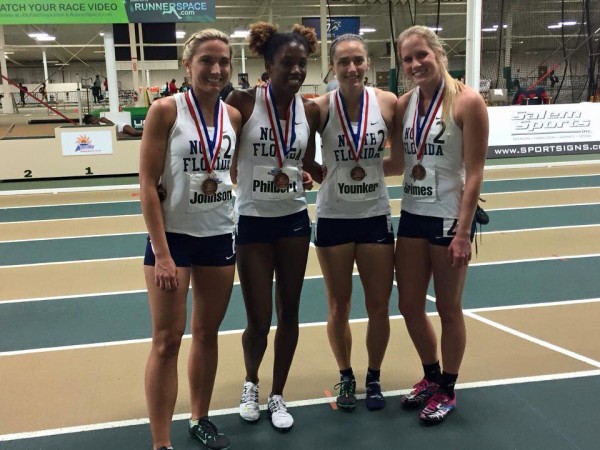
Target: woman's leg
256	263
211	291
448	283
375	264
291	255
337	263
413	271
168	312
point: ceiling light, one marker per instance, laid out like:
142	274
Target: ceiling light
240	34
571	23
367	30
554	26
45	38
436	28
180	34
489	30
101	33
35	35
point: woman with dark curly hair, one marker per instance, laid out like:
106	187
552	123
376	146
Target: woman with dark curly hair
273	227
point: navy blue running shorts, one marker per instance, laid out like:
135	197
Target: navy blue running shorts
253	230
437	230
371	230
189	251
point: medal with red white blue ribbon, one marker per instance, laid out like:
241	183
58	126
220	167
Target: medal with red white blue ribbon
284	139
210	146
355	141
422	130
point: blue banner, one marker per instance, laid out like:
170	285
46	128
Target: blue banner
336	26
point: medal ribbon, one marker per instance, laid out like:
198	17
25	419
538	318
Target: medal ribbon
357	143
422	131
210	147
283	142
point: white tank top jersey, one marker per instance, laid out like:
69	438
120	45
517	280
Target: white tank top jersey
341	197
187	209
439	194
257	163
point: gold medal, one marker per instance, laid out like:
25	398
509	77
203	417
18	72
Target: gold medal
209	186
357	173
418	172
281	180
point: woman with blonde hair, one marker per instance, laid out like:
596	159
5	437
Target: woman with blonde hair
444	137
273	228
186	197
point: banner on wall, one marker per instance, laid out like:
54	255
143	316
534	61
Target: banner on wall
544	130
336	26
24	12
86	143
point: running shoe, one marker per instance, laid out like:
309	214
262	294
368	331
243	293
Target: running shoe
166	448
206	432
438	408
281	419
346	398
374	398
422	391
249	407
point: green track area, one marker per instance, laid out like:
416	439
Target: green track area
546	415
106	318
122	246
395	192
69	211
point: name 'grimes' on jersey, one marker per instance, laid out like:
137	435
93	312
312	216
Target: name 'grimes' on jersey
265	147
373	148
196	162
434	147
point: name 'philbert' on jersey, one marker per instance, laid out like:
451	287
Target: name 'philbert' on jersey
187	208
340	196
439	193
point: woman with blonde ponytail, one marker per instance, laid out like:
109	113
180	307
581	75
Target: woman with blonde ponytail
444	134
273	228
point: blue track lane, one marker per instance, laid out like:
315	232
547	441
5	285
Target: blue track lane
121	246
86	320
133	207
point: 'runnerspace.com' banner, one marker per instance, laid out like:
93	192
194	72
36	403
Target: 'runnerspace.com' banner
544	130
20	12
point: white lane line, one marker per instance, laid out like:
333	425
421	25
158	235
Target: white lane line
534	340
524	230
66	219
534	305
542	164
83	236
293	404
533	191
512	261
49	205
302	325
562	205
108	293
116	187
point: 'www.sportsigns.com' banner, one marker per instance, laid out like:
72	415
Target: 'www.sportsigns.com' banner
544	130
19	12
